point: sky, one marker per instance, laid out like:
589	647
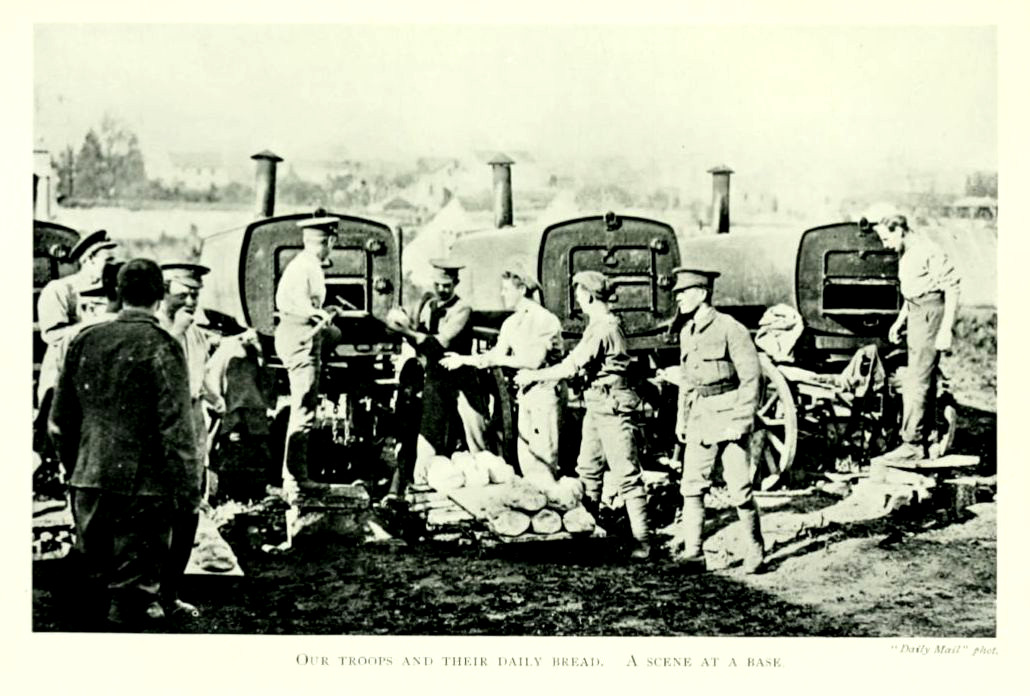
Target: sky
759	98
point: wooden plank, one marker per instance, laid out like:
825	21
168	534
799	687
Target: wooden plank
948	461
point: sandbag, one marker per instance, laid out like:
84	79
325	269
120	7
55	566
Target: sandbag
578	521
546	522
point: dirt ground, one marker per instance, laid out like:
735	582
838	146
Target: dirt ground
929	575
932	577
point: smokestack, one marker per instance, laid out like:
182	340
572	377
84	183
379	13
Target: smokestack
721	198
41	176
501	165
264	182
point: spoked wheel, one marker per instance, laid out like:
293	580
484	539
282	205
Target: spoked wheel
775	439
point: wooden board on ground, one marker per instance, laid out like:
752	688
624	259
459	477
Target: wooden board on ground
947	462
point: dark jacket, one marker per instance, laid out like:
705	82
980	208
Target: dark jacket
720	378
121	416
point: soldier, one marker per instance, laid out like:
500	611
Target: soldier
442	324
304	332
608	430
529	339
718	380
177	315
122	423
929	285
60	305
63	304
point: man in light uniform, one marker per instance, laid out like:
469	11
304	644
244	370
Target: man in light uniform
177	315
718	378
529	339
608	429
66	302
304	332
60	305
930	290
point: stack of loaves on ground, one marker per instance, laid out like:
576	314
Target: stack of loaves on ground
512	505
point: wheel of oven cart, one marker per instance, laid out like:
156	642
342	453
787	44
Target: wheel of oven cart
775	439
505	417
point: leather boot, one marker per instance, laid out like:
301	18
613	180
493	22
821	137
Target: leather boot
692	523
751	538
636	511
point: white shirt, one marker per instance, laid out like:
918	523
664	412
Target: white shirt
301	290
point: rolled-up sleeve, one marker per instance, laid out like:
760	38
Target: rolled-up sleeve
941	272
56	310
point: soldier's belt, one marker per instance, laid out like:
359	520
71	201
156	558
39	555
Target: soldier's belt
606	385
715	389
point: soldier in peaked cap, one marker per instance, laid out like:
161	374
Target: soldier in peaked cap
64	303
452	402
60	303
718	379
608	430
304	332
178	315
529	339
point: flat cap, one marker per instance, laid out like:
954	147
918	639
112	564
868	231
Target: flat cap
519	268
323	225
594	282
222	323
445	269
885	214
189	274
693	278
446	264
90	244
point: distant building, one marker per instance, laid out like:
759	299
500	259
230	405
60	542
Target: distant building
191	171
974	207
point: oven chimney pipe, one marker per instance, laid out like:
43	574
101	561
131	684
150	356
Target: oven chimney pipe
501	165
720	198
264	182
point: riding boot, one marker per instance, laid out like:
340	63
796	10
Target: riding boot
751	538
636	511
692	522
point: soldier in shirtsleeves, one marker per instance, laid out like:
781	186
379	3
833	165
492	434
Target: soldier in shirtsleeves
60	304
718	378
929	286
608	430
63	304
529	339
453	404
304	332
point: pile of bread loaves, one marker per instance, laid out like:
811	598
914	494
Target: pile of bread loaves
514	506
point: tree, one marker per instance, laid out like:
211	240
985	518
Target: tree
64	165
982	184
90	169
110	164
